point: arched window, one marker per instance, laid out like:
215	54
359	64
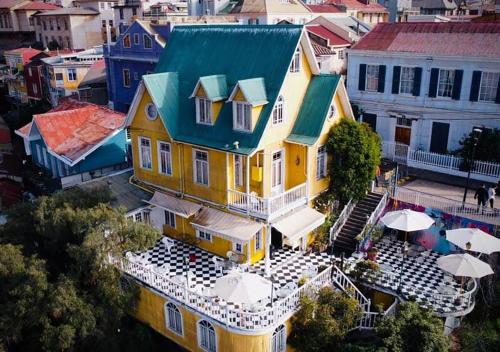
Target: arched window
206	336
331	112
278	110
278	340
295	65
174	318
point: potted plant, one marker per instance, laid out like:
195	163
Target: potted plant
372	254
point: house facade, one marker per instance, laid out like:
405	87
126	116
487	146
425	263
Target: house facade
127	11
368	11
76	142
270	11
33	76
93	87
14	74
134	54
231	143
424	88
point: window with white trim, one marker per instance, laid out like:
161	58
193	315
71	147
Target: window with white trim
278	111
169	219
242	113
278	340
321	163
372	73
204	235
39	154
138	217
71	74
126	40
164	158
295	65
238	170
45	158
238	247
136	38
206	336
258	240
174	318
126	77
445	83
406	80
489	86
340	53
35	88
331	111
148	43
200	167
145	153
204	111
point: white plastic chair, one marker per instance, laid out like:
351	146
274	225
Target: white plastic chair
219	264
168	243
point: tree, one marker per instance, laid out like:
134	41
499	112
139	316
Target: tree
322	324
487	149
54	264
412	329
356	152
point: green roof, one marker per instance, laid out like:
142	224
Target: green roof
215	87
240	52
314	109
254	91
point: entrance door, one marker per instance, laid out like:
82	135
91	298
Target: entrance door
276	238
403	135
439	137
277	173
371	120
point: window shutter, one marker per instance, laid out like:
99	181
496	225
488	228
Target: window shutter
362	77
417	81
396	75
457	84
474	88
497	98
433	85
381	78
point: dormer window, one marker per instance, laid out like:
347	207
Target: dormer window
203	111
278	111
295	65
126	41
242	115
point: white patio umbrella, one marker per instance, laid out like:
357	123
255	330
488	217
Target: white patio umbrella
464	265
407	220
474	240
244	288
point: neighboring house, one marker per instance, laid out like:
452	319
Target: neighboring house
322	36
400	10
26	14
72	28
33	76
436	7
229	133
63	73
127	11
424	86
134	54
93	87
76	142
5	140
206	7
106	15
8	19
349	28
368	11
269	11
14	75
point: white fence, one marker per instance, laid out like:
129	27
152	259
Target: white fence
448	164
341	220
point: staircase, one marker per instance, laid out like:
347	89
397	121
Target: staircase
356	222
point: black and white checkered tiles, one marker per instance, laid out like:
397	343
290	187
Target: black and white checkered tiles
421	279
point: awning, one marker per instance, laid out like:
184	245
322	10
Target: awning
230	227
175	205
299	223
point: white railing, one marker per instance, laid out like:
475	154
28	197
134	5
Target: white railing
341	220
372	220
267	208
369	319
449	164
347	286
217	309
449	206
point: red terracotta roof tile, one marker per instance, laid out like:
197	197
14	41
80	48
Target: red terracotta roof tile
321	50
324	8
323	32
38	5
26	53
358	5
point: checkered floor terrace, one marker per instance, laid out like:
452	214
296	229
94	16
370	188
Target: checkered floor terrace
420	281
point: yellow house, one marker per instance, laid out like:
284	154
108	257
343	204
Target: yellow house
230	136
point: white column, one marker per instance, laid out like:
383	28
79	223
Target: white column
248	175
267	259
249	251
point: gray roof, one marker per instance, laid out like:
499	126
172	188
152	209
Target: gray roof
73	11
123	193
435	4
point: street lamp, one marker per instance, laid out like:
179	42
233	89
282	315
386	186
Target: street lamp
476	132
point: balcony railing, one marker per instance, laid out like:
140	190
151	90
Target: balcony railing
267	208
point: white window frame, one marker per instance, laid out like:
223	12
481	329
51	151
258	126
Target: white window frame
136	38
169	218
195	169
258	241
244	110
321	163
331	111
204	235
34	88
278	339
238	170
203	105
138	216
129	78
141	161
279	111
168	160
235	247
205	324
493	88
173	319
372	77
145	39
439	92
129	41
72	75
296	63
39	153
45	158
405	82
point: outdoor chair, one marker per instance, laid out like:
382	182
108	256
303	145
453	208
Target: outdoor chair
219	264
168	244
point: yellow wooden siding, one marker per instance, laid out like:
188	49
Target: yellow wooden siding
151	310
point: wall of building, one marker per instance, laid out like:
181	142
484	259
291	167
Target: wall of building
85	31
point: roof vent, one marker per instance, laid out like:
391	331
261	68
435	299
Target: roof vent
236	145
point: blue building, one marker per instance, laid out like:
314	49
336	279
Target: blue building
77	141
135	53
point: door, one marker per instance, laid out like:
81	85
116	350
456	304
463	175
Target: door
403	135
371	120
276	239
277	173
439	137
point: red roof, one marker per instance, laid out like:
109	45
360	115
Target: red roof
5	4
358	5
465	39
73	128
324	8
37	5
323	32
320	50
26	53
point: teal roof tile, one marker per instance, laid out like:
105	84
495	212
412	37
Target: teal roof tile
215	87
240	52
314	109
254	90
